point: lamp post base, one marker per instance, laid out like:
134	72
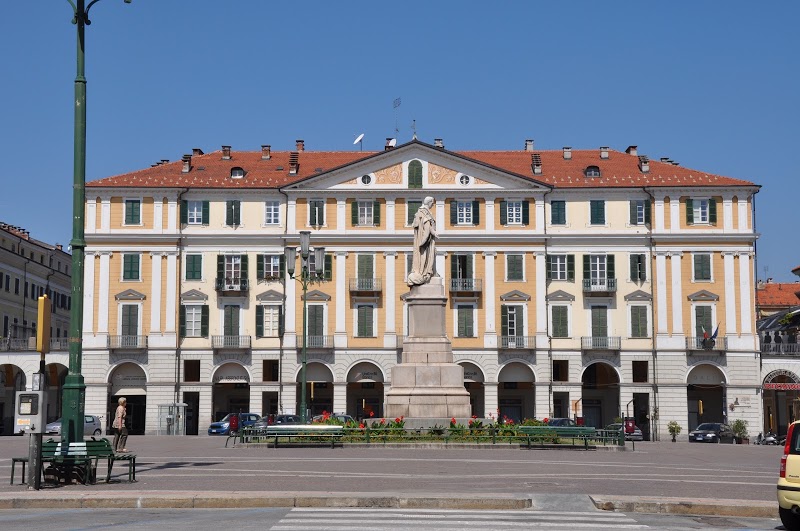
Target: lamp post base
74	395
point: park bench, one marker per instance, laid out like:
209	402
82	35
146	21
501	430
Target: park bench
297	432
543	433
82	456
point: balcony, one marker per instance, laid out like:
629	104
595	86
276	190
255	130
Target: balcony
510	342
316	341
466	285
600	343
781	349
7	344
228	285
599	286
707	344
60	343
366	285
230	342
127	342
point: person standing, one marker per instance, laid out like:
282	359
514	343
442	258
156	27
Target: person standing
120	431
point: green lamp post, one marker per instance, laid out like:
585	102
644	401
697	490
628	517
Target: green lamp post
74	390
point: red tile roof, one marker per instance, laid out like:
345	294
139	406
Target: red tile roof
620	170
779	294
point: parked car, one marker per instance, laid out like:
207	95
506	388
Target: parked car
789	480
223	427
280	420
341	417
561	422
91	426
712	432
635	436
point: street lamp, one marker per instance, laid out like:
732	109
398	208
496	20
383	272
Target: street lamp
74	390
305	278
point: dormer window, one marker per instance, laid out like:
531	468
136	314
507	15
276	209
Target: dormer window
237	173
592	171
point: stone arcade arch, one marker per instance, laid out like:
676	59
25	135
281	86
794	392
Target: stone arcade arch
600	394
231	390
474	384
365	391
129	380
781	391
516	396
705	383
319	388
12	379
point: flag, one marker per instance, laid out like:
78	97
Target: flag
705	333
714	335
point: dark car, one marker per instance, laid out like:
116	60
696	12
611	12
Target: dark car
561	422
713	432
280	420
223	427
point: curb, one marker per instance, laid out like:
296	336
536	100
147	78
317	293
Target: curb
702	507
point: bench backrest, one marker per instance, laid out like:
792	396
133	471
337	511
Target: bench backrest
90	448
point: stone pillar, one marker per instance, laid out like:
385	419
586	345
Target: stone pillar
102	306
744	292
730	294
676	283
390	332
490	400
661	293
490	334
340	397
88	293
340	330
155	293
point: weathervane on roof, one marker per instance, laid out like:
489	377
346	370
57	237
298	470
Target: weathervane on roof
395	105
414	128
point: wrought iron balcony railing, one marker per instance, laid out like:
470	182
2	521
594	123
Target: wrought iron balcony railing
517	341
231	284
59	343
127	342
719	344
232	342
316	341
600	343
599	285
470	285
365	284
781	349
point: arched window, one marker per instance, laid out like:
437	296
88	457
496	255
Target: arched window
592	171
415	174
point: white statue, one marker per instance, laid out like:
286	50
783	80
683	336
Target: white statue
423	266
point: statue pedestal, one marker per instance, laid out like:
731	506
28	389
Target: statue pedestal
426	383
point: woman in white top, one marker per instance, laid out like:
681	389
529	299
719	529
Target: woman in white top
120	431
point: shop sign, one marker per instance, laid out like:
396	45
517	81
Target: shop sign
779	373
782	386
472	375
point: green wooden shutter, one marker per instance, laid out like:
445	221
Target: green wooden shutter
260	267
365	321
503	212
328	274
515	267
634	259
282	266
548	267
415	174
413	206
453	266
702	320
259	321
638	321
454	212
610	273
281	321
206	216
315	320
633	211
182	324
243	273
599	321
469	271
376	213
504	320
571	267
229	213
587	271
184	212
354	213
647	211
689	212
712	211
365	266
220	266
560	324
476	213
465	328
526	212
204	321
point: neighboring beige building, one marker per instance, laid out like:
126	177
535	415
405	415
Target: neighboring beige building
579	282
30	268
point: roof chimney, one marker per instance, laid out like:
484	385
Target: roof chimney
666	160
226	153
389	144
632	150
187	164
59	247
438	142
265	151
603	152
644	163
164	161
567	153
536	162
529	144
197	152
301	145
294	164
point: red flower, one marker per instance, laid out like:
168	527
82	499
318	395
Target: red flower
545	420
453	420
361	426
371	414
383	421
474	416
397	420
470	422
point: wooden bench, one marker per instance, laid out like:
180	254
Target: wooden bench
83	455
305	433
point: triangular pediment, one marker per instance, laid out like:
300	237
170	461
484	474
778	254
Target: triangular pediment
441	170
515	296
129	295
703	296
270	296
560	296
638	295
317	296
193	295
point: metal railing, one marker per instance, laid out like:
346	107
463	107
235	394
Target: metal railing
718	344
517	341
599	285
365	284
130	342
789	349
230	341
466	284
231	284
7	344
60	343
600	343
316	341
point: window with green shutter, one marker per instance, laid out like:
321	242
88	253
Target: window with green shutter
702	321
511	321
130	266
514	268
230	323
413	206
702	267
639	211
365	266
558	212
639	321
599	321
415	174
638	267
133	212
315	324
364	317
130	320
560	322
365	213
597	212
191	320
465	323
233	213
316	212
194	267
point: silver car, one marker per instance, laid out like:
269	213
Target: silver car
91	426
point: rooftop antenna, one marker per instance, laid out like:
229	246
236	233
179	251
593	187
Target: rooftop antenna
414	128
393	142
360	141
395	105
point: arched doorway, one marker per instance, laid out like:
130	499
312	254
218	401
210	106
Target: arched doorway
781	392
12	379
55	374
705	394
473	383
515	393
231	391
365	391
319	388
130	381
600	395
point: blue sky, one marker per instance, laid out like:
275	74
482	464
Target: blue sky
712	85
